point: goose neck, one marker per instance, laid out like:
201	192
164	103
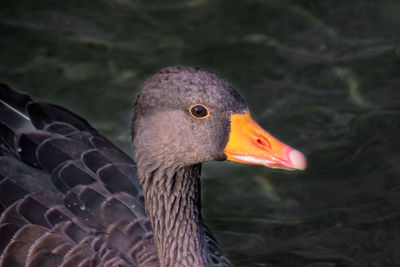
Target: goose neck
173	204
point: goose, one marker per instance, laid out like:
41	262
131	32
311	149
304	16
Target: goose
69	197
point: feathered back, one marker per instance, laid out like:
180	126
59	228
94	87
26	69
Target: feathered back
68	196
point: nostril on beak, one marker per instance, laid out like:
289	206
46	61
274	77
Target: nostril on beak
263	143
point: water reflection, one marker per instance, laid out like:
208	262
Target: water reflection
320	75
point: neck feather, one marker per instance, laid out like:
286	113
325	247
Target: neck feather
172	199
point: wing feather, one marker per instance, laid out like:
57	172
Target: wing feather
68	196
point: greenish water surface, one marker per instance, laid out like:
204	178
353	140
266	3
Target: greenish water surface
323	76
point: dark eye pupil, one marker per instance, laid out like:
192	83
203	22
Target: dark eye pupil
199	111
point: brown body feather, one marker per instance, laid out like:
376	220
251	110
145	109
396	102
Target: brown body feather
68	197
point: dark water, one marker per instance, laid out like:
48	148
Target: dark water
323	76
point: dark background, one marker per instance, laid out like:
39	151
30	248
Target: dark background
322	76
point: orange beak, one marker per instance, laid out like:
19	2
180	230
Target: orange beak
251	144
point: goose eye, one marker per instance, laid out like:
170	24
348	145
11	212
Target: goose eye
199	111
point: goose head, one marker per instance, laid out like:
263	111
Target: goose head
186	115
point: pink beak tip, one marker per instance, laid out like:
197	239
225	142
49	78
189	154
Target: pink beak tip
298	159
